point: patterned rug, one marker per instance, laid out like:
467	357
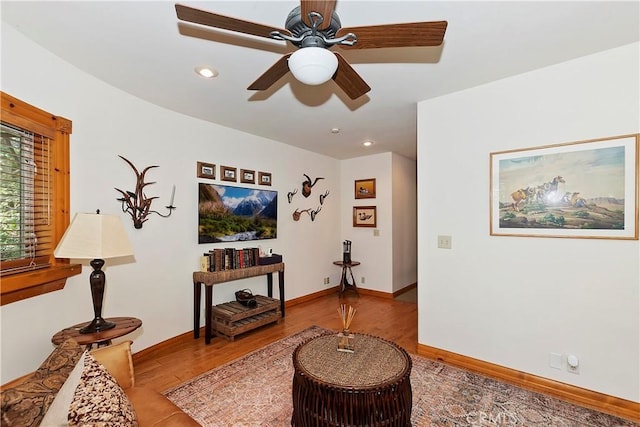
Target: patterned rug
255	390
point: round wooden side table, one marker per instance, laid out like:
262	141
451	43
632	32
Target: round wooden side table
345	285
124	326
369	387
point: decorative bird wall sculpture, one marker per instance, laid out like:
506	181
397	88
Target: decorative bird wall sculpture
137	204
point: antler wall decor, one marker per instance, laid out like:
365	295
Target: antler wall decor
306	187
307	184
290	194
324	196
137	204
313	214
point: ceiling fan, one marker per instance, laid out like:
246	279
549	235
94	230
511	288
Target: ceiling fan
314	27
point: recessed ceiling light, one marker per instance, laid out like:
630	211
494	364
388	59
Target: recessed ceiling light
207	72
367	143
335	130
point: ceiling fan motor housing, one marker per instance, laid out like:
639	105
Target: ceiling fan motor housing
298	29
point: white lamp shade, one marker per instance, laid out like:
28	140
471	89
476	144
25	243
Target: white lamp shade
94	236
313	65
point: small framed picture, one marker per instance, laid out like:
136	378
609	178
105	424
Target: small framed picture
365	188
247	176
364	216
228	174
264	178
206	170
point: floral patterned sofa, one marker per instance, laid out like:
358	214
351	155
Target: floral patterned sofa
80	388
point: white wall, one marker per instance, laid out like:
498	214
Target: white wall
374	252
157	288
511	300
389	259
405	222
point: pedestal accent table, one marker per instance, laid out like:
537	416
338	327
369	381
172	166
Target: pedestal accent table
124	326
345	285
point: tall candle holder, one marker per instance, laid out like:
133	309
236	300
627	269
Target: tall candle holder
137	204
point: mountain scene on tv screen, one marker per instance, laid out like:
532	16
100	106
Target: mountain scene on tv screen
230	214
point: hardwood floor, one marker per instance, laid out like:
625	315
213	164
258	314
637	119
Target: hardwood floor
184	357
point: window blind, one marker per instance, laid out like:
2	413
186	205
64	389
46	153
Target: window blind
26	240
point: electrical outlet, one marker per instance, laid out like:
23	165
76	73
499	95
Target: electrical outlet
444	242
362	279
573	364
376	233
326	281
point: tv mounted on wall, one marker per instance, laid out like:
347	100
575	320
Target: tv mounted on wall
230	214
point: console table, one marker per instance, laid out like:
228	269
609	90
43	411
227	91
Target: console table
369	387
211	278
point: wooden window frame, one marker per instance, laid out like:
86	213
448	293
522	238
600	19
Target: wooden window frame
19	286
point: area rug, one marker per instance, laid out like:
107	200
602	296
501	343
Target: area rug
255	390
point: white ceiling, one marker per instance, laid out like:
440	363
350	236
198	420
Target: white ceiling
142	48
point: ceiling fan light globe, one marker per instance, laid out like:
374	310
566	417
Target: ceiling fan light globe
313	65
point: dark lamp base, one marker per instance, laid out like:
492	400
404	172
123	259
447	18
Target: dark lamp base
97	325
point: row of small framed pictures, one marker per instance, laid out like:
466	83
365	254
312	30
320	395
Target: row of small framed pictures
227	173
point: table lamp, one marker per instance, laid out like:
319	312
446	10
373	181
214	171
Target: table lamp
95	237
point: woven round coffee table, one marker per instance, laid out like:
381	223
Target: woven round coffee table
369	387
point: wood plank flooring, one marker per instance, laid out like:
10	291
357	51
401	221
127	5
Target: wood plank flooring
184	357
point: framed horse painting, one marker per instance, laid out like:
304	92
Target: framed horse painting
585	189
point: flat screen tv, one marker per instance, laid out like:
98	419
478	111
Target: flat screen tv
230	214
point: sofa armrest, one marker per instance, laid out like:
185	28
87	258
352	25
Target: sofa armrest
117	359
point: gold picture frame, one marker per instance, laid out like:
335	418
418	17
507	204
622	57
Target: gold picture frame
228	173
247	176
365	188
365	216
585	189
264	178
206	170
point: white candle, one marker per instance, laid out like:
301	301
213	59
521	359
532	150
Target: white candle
173	195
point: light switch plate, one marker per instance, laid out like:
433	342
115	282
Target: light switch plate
555	360
444	242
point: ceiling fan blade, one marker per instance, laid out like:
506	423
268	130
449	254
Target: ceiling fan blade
348	80
324	8
190	14
272	75
397	35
